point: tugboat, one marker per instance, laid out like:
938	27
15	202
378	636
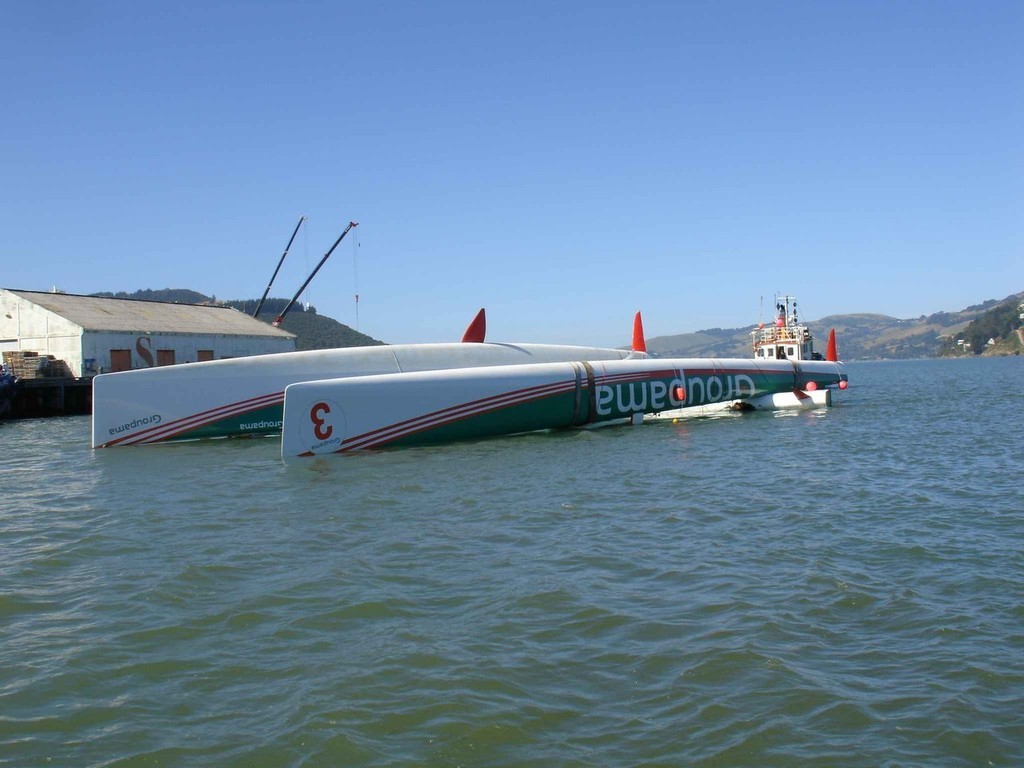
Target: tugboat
786	338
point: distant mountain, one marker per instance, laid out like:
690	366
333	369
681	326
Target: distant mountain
315	331
711	342
860	336
312	331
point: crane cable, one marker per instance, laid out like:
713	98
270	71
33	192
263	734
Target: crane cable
305	245
355	274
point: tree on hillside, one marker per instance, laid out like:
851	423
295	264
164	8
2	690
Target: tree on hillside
994	324
171	295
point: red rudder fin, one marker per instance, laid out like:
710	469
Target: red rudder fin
830	352
477	329
639	342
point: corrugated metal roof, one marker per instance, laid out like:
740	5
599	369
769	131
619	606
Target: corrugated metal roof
102	314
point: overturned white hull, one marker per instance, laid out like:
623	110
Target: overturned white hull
392	410
244	396
776	401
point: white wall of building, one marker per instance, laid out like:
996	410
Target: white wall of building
29	327
26	326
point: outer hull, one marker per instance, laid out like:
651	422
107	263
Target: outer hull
244	396
341	415
795	400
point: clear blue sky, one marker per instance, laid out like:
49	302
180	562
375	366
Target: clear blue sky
561	163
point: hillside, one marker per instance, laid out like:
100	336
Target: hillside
860	336
172	295
312	331
315	331
998	331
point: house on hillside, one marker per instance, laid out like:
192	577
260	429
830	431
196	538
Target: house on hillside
98	335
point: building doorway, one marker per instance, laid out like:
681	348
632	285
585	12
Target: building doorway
120	360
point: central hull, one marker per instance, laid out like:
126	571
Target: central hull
342	415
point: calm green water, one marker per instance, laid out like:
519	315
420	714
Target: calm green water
833	588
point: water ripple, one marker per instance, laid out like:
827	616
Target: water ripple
836	588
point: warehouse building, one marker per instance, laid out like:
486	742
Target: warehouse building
86	335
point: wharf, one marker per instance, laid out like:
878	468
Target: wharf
52	396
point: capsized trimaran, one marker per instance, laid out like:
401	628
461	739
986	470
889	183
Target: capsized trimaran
401	409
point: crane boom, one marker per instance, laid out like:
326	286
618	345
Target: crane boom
278	268
280	318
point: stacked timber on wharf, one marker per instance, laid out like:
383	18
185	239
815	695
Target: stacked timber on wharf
33	365
41	385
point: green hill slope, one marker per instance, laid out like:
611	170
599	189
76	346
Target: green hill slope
172	295
998	331
315	331
860	336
